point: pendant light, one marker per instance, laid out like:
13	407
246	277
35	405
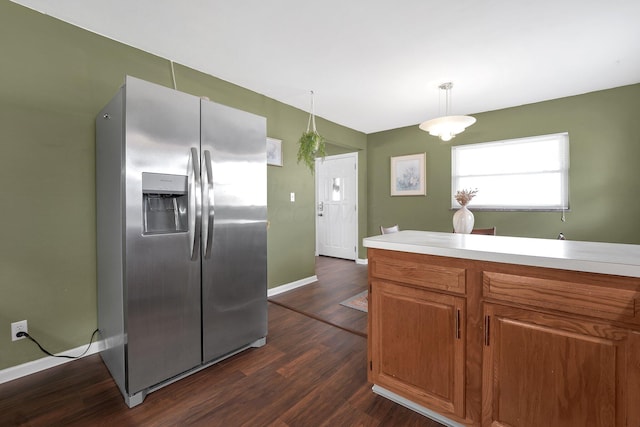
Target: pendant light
447	127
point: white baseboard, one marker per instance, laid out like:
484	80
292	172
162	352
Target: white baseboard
18	371
362	261
289	286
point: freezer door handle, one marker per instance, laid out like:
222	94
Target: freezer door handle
207	204
195	203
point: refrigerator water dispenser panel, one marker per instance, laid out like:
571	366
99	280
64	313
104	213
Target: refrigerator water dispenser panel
164	203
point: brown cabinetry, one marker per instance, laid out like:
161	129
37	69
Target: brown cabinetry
549	370
417	330
491	344
417	345
412	269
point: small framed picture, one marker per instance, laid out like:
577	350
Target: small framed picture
408	175
274	152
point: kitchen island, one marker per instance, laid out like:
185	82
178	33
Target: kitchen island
505	331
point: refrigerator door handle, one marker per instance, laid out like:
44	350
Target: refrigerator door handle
207	204
195	203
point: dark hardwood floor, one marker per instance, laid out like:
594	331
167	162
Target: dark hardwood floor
309	373
338	279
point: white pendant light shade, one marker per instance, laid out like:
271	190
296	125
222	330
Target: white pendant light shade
447	127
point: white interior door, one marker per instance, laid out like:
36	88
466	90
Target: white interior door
337	206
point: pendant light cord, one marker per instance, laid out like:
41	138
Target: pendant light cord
447	104
446	88
173	76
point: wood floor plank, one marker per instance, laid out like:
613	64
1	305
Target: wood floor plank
338	280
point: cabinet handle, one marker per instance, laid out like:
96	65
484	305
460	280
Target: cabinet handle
487	325
458	324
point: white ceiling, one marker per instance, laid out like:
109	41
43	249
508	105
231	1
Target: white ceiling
375	65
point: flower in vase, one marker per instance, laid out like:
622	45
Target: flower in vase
464	196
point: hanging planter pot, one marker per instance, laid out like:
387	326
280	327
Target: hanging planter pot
311	144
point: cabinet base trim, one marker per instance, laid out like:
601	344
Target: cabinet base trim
414	406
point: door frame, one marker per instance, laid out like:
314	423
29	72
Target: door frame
318	164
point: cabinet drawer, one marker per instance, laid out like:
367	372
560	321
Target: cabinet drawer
591	299
416	271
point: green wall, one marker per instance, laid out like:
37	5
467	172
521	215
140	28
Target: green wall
55	78
604	133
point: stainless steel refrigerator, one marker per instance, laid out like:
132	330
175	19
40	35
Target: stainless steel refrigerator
181	234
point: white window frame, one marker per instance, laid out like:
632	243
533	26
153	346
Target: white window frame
557	145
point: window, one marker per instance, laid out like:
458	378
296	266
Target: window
516	174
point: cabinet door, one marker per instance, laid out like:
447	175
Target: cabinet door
545	370
417	345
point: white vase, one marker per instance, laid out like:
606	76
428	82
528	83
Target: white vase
463	220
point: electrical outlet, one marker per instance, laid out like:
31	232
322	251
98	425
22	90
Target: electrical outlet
16	327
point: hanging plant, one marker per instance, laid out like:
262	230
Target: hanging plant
311	144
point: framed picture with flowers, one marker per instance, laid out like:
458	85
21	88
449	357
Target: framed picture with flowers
274	152
408	175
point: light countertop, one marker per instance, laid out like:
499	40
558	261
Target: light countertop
593	257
